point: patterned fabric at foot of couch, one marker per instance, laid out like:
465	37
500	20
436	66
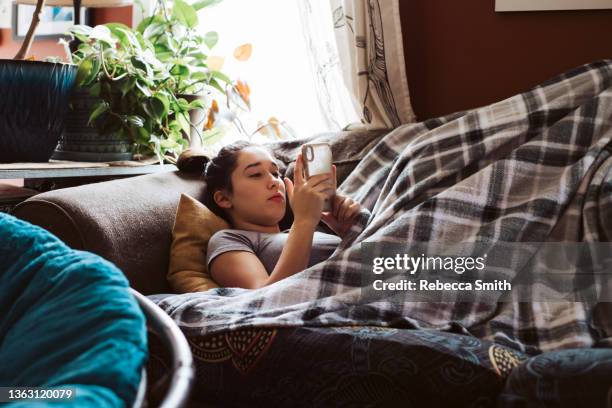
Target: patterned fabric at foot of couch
346	366
564	378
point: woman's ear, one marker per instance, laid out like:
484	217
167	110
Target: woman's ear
222	199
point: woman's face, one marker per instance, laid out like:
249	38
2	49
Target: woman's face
258	195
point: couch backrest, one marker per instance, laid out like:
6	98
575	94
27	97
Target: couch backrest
127	221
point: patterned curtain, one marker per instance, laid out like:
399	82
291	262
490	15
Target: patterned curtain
362	62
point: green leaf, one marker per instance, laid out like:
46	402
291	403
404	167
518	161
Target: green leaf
198	57
197	104
154	107
84	71
183	142
139	63
154	29
211	38
163	53
127	85
94	90
143	89
135	121
165	103
118	30
93	72
168	144
215	84
143	133
185	14
100	109
146	22
102	33
81	32
180	70
183	104
183	120
81	29
221	76
199	5
200	76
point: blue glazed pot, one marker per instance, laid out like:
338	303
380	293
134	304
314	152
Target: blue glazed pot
34	99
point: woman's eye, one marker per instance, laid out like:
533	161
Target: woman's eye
277	174
255	175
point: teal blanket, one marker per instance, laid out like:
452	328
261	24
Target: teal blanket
67	319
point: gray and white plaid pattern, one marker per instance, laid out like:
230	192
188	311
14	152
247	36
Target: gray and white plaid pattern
536	167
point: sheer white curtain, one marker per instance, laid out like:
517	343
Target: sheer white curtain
338	107
279	72
369	51
317	65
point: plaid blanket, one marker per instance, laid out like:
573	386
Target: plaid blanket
536	167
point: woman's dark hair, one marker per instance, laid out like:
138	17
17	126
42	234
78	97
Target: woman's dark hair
218	174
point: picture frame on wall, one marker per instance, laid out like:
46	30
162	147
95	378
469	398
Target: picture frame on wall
54	21
544	5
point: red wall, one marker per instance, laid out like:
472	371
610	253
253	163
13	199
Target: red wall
40	48
45	48
461	54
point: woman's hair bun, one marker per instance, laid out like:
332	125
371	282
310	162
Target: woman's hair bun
192	160
208	167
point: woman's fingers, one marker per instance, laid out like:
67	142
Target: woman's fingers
324	188
297	173
337	205
352	211
343	209
289	188
348	210
315	180
334	176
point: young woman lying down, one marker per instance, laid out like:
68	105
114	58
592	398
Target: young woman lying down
245	188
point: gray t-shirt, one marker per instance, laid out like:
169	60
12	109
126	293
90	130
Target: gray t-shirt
267	246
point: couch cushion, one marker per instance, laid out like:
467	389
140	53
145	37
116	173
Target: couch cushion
193	227
128	221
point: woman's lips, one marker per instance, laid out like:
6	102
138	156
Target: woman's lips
276	198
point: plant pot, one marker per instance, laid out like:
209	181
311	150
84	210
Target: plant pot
34	99
81	142
197	117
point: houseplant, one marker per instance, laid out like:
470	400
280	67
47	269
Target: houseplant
148	81
30	125
180	47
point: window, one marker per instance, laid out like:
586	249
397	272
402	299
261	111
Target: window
279	71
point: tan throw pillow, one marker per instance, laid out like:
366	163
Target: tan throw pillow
193	226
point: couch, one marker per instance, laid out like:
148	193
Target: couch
129	222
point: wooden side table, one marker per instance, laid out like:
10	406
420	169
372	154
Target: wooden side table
39	177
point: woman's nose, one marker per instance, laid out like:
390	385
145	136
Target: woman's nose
273	181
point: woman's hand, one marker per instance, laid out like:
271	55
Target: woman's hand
307	197
344	209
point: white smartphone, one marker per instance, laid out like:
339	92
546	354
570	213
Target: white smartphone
317	158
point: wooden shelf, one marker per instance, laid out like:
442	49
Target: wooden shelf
42	177
78	169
